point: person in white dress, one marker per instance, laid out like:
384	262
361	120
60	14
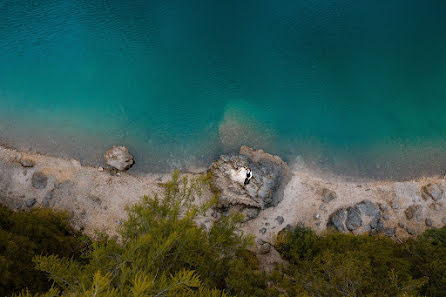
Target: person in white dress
248	175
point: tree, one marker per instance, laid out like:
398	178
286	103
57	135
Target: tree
160	252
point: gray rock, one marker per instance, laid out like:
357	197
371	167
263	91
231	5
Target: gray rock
39	180
428	222
268	172
437	206
27	163
214	214
389	232
262	231
410	231
395	205
383	207
433	191
280	220
401	224
443	220
250	213
265	248
30	202
288	227
412	211
353	218
260	241
49	196
385	217
322	207
328	195
368	208
316	216
45	202
118	157
336	220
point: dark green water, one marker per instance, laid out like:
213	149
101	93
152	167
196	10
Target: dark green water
356	87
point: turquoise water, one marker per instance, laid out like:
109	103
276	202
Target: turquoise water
350	86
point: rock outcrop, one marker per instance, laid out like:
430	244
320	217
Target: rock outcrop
263	191
118	157
363	216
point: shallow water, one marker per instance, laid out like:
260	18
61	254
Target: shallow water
350	86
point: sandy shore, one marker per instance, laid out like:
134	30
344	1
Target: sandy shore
97	199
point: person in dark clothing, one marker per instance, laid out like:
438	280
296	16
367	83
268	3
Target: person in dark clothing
248	175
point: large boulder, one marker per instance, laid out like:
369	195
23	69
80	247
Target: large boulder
118	157
228	177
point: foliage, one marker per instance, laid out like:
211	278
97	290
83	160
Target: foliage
336	264
162	252
26	234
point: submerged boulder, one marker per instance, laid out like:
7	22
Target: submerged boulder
118	157
228	177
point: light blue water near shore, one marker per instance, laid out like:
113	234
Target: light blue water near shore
351	86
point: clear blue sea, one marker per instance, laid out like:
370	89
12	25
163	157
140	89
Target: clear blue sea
351	86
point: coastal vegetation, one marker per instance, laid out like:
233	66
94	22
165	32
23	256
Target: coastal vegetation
162	251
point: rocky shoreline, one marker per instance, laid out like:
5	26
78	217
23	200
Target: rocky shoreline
279	195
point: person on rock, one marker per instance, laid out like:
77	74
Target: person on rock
248	175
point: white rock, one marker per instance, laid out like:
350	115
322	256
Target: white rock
119	158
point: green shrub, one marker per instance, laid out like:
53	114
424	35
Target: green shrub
162	252
26	234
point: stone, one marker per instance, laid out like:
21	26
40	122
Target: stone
412	211
410	231
443	220
395	205
250	213
30	202
436	206
260	241
214	214
428	222
328	195
100	168
265	248
280	220
353	220
322	207
401	225
385	217
49	196
288	227
377	224
383	207
389	232
336	220
433	191
45	202
39	180
228	175
316	216
118	157
262	231
27	163
368	208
